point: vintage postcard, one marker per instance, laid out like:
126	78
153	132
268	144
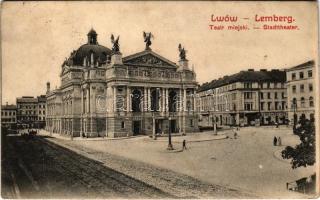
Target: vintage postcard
172	99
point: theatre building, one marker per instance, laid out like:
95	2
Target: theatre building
243	99
105	94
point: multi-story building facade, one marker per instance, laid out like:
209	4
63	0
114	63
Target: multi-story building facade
301	91
103	94
27	110
8	115
245	98
41	111
31	111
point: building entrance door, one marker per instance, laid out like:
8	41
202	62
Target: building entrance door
173	126
136	127
158	126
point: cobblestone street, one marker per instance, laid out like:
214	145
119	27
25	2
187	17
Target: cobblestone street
39	168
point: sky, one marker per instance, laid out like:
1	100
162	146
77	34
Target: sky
36	37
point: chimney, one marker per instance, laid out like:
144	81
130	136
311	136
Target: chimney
263	70
250	70
48	87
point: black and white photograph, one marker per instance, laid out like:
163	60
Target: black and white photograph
159	100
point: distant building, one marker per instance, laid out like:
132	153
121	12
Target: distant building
245	98
8	115
31	111
301	91
41	111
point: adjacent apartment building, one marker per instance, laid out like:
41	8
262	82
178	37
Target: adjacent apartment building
301	91
245	98
8	115
31	111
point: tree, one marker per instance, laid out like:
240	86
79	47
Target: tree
302	154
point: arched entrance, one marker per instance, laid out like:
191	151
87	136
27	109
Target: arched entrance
136	100
155	99
173	98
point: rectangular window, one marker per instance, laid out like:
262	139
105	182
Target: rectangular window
302	88
269	95
269	105
282	95
248	106
262	106
276	105
310	87
275	95
247	85
301	75
191	122
261	95
293	76
122	124
310	73
248	95
294	89
283	105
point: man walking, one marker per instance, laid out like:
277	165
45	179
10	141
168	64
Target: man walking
184	146
275	141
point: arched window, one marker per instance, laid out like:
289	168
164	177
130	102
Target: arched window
172	101
136	100
155	99
302	102
311	104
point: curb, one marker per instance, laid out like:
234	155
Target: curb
190	141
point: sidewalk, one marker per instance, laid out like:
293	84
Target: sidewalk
67	137
190	137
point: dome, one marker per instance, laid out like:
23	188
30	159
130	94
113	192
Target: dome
90	53
100	54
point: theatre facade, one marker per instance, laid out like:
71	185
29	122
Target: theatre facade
104	94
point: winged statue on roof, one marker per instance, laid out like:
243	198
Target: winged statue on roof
115	42
147	39
182	52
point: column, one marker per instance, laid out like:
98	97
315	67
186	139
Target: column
160	99
167	99
81	112
88	100
128	99
114	98
184	100
163	100
149	100
145	99
195	102
180	108
184	109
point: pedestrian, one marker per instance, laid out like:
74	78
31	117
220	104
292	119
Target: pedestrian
235	135
184	145
275	141
279	141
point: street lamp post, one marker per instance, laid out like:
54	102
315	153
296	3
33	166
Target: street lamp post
170	147
294	114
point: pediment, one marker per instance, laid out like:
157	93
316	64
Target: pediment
64	70
148	58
